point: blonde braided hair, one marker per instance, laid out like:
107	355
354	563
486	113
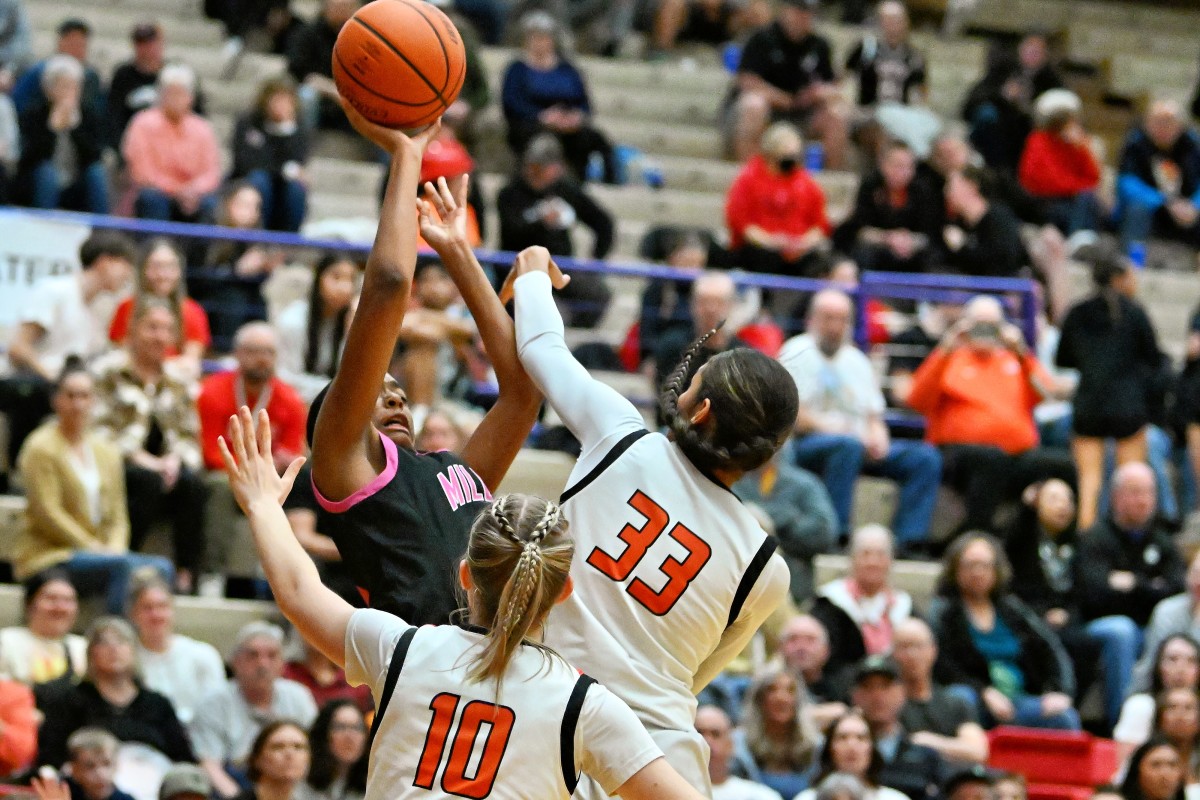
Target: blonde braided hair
519	557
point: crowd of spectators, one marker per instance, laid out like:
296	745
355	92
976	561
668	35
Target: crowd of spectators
1062	571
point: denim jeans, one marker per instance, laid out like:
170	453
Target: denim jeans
1120	642
88	192
109	574
1028	709
1073	214
153	204
284	202
916	468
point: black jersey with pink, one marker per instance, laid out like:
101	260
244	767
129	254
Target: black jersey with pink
402	536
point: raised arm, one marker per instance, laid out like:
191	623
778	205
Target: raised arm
316	611
592	410
345	459
491	449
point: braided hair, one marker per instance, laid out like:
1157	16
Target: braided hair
519	556
754	407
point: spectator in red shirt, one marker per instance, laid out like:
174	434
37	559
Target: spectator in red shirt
160	274
977	391
775	211
1058	165
172	153
252	384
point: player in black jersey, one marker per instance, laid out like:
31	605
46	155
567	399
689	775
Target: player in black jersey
400	518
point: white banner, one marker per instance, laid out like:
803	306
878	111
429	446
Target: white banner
32	249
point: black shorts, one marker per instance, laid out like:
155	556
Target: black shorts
1102	426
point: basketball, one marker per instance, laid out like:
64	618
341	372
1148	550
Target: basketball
399	63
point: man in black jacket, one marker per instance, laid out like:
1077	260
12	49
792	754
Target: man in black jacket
1128	562
910	768
539	207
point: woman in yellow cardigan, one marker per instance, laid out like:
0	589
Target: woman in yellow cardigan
77	518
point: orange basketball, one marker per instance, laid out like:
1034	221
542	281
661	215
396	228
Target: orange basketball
400	63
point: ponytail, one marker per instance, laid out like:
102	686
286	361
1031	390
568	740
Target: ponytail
519	558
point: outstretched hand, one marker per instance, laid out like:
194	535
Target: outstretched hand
443	213
391	139
50	787
533	259
250	465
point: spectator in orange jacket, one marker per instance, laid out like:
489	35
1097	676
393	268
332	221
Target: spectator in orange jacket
253	384
977	390
1058	165
776	211
18	728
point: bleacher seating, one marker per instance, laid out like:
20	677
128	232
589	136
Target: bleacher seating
1057	764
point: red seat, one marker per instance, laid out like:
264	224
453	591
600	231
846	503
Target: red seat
1058	758
1057	791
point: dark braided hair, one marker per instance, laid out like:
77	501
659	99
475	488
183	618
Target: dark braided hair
519	556
754	407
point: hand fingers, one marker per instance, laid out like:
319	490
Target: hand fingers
434	198
250	435
446	195
237	440
460	189
289	475
227	457
264	434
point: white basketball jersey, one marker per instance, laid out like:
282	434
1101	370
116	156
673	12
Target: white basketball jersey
442	735
666	560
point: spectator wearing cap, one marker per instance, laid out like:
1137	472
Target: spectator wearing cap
544	93
786	73
185	782
62	138
310	63
862	610
540	206
977	391
933	716
840	430
1058	165
16	42
74	36
134	84
970	783
1158	178
804	651
717	729
228	720
172	153
775	211
994	647
908	767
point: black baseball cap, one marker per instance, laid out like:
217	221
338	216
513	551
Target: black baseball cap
976	773
876	665
73	24
145	32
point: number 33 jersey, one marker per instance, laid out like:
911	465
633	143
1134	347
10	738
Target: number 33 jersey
673	575
442	735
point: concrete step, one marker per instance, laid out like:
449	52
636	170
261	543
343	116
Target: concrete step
1131	75
127	9
110	23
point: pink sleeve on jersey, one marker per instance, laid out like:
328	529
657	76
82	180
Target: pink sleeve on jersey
372	488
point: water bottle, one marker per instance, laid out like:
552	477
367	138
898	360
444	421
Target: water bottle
731	57
595	168
814	157
652	173
1137	254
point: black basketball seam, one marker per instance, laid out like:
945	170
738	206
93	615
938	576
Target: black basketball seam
438	35
350	74
441	98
